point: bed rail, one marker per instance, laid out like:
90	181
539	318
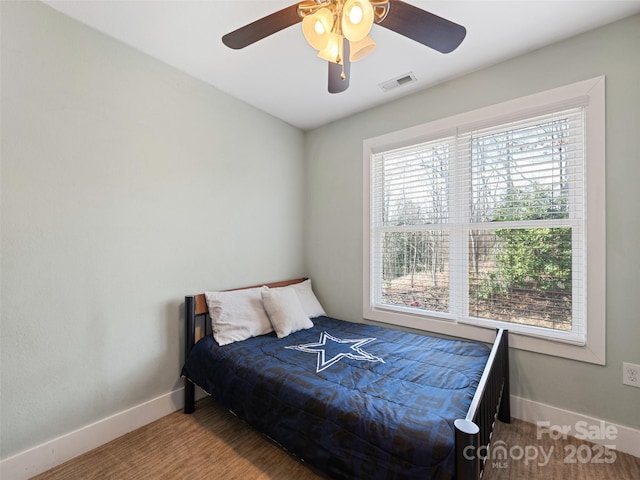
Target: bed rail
194	306
491	400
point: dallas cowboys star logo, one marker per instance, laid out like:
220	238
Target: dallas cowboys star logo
331	350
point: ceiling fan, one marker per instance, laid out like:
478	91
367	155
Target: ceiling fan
339	30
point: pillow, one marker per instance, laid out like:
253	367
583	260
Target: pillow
284	311
308	300
237	315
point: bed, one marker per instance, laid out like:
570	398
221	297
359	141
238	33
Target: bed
352	400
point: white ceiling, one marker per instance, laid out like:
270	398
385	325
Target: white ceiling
281	74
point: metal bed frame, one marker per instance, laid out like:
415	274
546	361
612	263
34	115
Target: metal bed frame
472	433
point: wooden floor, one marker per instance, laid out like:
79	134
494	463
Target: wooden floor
213	444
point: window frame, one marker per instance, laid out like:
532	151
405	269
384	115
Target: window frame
588	92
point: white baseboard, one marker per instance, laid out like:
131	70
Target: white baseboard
625	439
54	452
50	454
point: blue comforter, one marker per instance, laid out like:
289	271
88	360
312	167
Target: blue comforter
355	401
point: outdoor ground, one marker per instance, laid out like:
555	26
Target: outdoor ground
532	307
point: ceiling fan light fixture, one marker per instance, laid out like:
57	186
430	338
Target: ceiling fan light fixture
359	50
335	28
317	27
357	19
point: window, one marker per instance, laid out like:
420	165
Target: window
481	221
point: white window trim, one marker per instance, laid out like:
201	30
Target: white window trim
593	91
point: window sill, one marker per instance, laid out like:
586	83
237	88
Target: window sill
592	352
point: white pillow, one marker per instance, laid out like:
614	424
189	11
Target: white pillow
308	300
284	311
237	315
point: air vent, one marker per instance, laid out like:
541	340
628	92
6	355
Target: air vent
398	82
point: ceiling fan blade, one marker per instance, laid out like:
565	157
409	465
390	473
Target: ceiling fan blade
423	27
262	28
339	76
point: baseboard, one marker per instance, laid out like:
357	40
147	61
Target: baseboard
54	452
41	458
624	439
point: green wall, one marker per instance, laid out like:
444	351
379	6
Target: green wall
126	185
335	189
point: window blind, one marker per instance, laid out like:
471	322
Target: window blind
486	226
411	206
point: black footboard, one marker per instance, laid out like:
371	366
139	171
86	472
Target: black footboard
491	400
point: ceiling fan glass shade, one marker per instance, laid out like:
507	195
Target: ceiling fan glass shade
317	28
332	52
361	49
357	19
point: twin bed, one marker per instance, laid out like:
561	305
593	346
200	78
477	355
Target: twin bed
352	400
